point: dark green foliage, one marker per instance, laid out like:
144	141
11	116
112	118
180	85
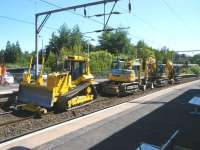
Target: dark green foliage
12	53
2	59
100	61
196	59
116	42
111	45
67	39
143	50
13	56
195	69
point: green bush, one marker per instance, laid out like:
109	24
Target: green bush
195	69
100	62
192	70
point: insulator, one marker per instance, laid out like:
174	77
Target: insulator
129	6
85	12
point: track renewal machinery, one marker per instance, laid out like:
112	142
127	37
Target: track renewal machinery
173	72
74	86
125	78
154	73
158	74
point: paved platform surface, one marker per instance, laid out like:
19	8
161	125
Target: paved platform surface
151	119
8	89
147	122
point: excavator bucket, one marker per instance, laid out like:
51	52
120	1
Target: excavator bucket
38	95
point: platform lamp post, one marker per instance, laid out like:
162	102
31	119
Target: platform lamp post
88	46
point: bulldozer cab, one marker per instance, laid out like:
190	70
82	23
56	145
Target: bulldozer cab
76	66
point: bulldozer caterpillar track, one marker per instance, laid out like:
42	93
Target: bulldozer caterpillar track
61	104
76	90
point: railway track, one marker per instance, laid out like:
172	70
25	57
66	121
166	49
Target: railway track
35	115
5	113
53	118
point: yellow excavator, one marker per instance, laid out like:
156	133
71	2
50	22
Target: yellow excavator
125	78
158	74
73	86
149	68
173	72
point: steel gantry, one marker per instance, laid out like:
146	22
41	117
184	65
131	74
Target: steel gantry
47	14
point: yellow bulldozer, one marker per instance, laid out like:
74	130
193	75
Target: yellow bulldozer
71	87
125	78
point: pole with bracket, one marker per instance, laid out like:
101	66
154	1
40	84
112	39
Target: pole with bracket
48	13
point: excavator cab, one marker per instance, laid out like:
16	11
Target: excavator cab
177	69
160	75
161	70
177	73
118	64
122	71
137	67
123	79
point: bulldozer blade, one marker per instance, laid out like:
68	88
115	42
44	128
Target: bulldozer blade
35	95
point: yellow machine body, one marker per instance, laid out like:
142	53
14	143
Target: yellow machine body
124	78
60	85
173	72
169	69
125	73
27	75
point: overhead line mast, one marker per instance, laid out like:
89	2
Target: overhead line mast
38	27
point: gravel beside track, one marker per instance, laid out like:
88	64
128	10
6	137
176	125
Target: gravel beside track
26	126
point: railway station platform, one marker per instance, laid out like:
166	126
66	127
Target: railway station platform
8	89
150	119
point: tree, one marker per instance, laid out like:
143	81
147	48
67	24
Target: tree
66	39
116	42
2	60
144	51
196	59
18	51
12	52
100	62
9	57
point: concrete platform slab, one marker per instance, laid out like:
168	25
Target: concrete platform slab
85	132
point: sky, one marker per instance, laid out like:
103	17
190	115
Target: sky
170	23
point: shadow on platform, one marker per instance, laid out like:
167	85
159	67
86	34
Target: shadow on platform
156	127
19	148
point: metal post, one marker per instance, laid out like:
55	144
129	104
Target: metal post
48	13
88	49
36	46
42	44
104	19
136	53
